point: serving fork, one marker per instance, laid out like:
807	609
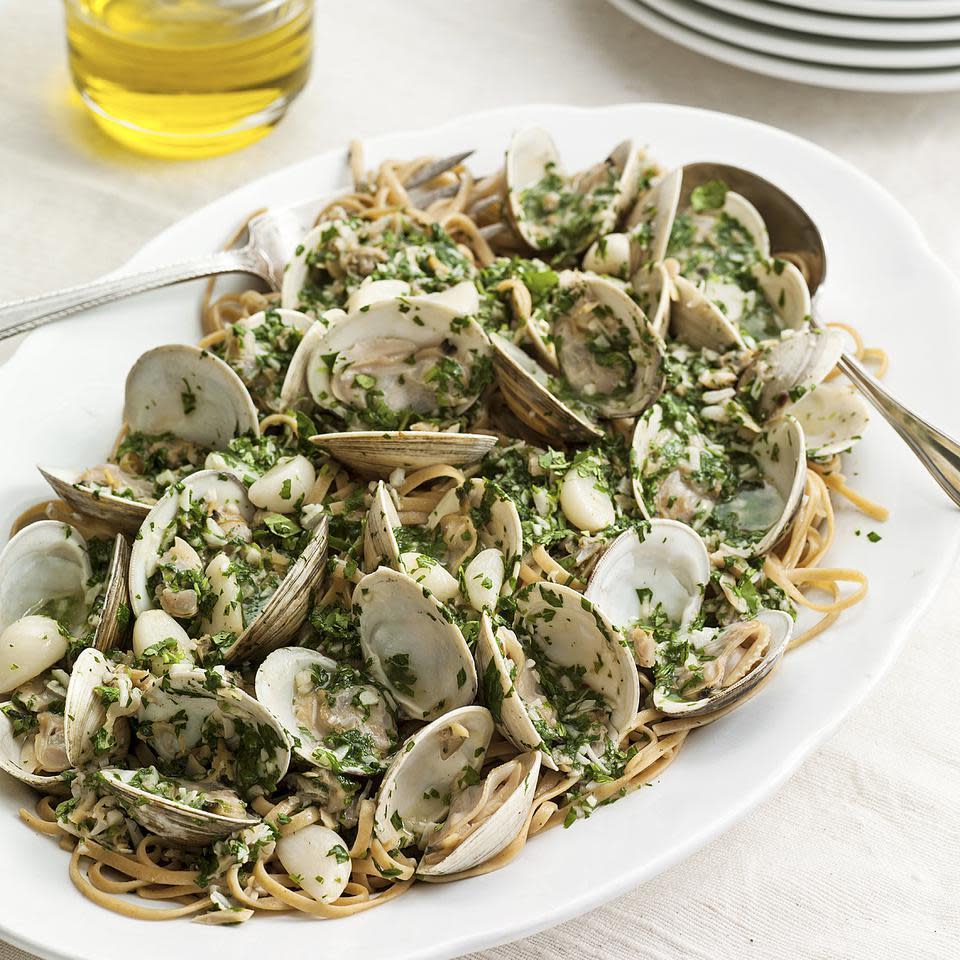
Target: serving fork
272	239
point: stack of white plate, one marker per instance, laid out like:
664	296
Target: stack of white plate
891	46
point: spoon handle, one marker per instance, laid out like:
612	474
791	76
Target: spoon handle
31	312
939	453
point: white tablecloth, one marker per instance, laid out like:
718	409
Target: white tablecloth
859	855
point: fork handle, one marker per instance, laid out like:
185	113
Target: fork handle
31	312
939	453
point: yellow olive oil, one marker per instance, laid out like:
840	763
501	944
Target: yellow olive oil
188	78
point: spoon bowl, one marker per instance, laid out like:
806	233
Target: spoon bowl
793	234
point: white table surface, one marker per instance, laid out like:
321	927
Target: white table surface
858	856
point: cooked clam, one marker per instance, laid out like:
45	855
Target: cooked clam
260	348
725	664
101	696
609	359
182	811
483	540
195	558
655	577
179	402
560	681
749	510
553	211
786	369
378	453
483	819
726	283
209	731
399	362
661	563
333	714
646	233
414	648
525	386
50	603
434	797
606	351
297	289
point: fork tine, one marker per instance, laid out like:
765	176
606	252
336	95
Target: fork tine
431	170
423	198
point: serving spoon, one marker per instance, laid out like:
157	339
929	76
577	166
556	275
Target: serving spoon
273	236
794	237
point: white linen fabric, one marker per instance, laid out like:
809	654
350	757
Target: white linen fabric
858	856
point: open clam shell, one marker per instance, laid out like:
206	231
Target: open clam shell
483	819
186	391
288	608
651	219
833	415
120	512
479	509
524	384
411	357
295	390
711	313
608	188
307	694
600	322
46	575
295	290
781	456
243	350
285	611
571	633
664	560
175	389
653	285
86	712
17	762
180	715
575	633
766	509
380	545
786	369
415	649
697	321
438	760
734	205
175	820
780	626
501	660
379	453
46	562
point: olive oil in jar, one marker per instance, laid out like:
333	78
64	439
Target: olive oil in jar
188	78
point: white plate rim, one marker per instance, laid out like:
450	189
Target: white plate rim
786	44
837	25
894	9
841	78
465	941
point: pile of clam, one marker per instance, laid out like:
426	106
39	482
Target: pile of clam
164	683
